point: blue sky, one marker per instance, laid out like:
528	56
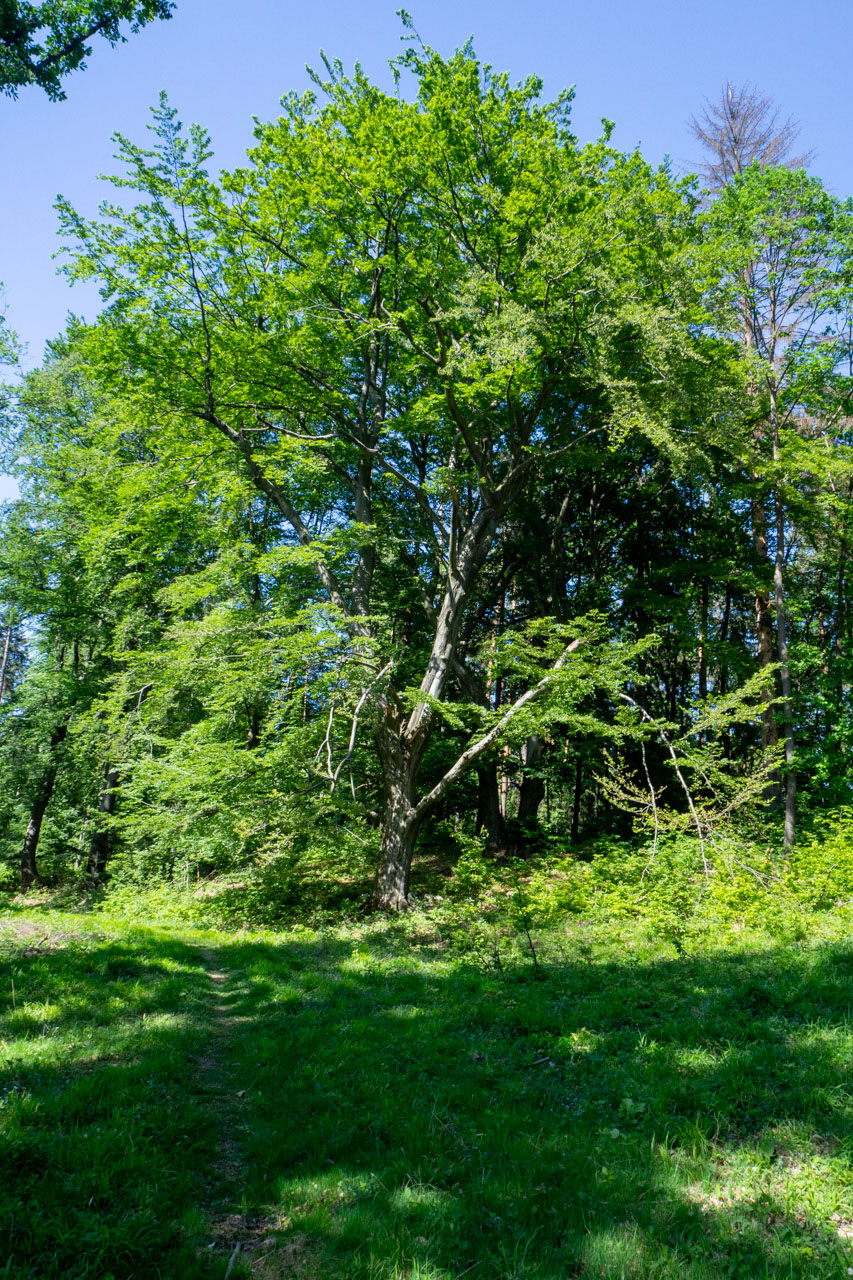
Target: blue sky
647	66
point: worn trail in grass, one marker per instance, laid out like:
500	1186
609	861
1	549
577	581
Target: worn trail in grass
232	1230
110	1163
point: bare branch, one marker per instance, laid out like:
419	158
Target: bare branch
742	128
665	740
482	745
354	730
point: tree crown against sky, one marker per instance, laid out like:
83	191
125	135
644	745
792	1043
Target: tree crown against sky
741	128
40	44
435	413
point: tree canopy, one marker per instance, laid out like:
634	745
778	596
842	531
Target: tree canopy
42	43
433	468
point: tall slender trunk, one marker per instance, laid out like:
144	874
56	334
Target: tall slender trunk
763	619
724	635
782	639
7	644
724	666
576	802
101	841
41	799
764	628
703	639
841	617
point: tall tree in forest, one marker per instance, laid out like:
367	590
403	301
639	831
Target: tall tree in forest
744	128
788	246
397	319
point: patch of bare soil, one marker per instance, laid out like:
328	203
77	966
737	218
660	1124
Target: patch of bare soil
37	938
249	1242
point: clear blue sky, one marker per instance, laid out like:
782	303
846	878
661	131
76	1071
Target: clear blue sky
647	64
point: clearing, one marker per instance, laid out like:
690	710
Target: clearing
366	1103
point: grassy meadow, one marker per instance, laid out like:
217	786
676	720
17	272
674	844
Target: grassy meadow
373	1100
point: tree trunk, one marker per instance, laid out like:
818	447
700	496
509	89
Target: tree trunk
766	652
400	769
724	635
703	640
532	785
101	841
785	676
395	864
7	643
44	791
29	866
576	802
489	816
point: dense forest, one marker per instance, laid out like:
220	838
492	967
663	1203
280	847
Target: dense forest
432	483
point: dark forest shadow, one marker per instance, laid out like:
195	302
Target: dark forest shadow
104	1143
411	1117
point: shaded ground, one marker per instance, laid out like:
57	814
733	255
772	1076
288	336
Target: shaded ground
103	1137
412	1116
364	1105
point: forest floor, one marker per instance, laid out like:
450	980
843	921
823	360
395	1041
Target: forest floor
367	1103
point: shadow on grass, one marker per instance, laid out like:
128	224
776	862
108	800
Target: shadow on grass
411	1116
104	1142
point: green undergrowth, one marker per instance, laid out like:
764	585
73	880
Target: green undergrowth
104	1144
679	889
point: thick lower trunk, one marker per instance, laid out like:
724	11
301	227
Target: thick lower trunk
532	790
399	828
29	866
489	816
101	841
395	865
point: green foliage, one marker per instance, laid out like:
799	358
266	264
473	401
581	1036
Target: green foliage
820	869
42	43
371	430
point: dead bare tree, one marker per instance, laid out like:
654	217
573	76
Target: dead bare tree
742	128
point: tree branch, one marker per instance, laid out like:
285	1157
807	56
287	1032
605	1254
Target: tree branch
482	745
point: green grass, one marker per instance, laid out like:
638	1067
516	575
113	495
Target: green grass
626	1115
104	1142
410	1113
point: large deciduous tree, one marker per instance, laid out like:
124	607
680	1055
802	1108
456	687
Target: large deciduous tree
397	321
